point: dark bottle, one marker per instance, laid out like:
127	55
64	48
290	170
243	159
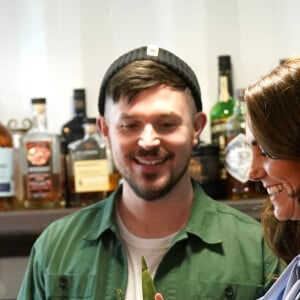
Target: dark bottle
222	110
205	167
7	183
73	129
91	173
238	155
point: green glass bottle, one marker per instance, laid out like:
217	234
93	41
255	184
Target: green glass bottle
223	109
220	113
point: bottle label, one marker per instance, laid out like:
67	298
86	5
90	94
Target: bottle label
238	157
39	178
7	184
91	175
218	132
224	92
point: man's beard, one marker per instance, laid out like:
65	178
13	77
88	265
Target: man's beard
155	193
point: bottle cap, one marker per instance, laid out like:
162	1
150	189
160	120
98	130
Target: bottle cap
38	100
224	62
79	94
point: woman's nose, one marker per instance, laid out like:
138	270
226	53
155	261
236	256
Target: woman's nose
148	138
256	170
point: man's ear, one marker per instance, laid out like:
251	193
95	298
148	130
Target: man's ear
199	124
102	125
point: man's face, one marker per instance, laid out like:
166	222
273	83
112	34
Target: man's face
151	139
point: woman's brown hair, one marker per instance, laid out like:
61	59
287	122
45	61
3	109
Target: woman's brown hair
273	112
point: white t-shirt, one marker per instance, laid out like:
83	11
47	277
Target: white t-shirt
136	247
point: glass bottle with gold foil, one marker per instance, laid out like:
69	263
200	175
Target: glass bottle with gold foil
7	183
91	173
221	111
238	155
42	162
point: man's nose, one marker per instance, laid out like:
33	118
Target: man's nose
149	138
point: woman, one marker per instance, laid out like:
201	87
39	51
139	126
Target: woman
273	131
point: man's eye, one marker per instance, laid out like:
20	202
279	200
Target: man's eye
167	125
129	126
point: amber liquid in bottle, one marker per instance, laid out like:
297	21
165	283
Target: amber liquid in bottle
91	176
72	131
7	186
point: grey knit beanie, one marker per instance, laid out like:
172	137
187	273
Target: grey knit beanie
159	55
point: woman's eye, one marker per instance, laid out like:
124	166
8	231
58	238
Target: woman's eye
262	153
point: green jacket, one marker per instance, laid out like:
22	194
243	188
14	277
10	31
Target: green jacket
220	254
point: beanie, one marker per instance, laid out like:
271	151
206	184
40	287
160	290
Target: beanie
159	55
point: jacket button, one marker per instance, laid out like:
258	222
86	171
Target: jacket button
63	282
228	291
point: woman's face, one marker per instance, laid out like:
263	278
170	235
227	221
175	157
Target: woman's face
280	177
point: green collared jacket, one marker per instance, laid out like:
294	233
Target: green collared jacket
219	254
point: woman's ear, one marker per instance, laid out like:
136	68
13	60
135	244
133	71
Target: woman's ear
102	125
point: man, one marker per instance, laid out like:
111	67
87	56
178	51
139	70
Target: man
196	248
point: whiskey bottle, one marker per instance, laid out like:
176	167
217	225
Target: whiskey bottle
42	162
92	175
221	111
73	129
7	183
238	155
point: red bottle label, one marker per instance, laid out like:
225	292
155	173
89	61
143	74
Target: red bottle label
39	177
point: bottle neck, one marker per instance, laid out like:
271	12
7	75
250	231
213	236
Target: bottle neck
39	118
225	86
79	108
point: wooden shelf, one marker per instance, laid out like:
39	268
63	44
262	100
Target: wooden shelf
19	229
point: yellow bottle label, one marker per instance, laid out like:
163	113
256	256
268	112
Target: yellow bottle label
91	175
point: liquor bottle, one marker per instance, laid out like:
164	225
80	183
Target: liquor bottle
91	173
72	131
17	134
221	111
42	163
7	183
238	155
205	167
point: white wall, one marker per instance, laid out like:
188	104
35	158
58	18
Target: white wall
50	47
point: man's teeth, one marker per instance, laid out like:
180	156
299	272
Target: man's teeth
149	162
275	189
